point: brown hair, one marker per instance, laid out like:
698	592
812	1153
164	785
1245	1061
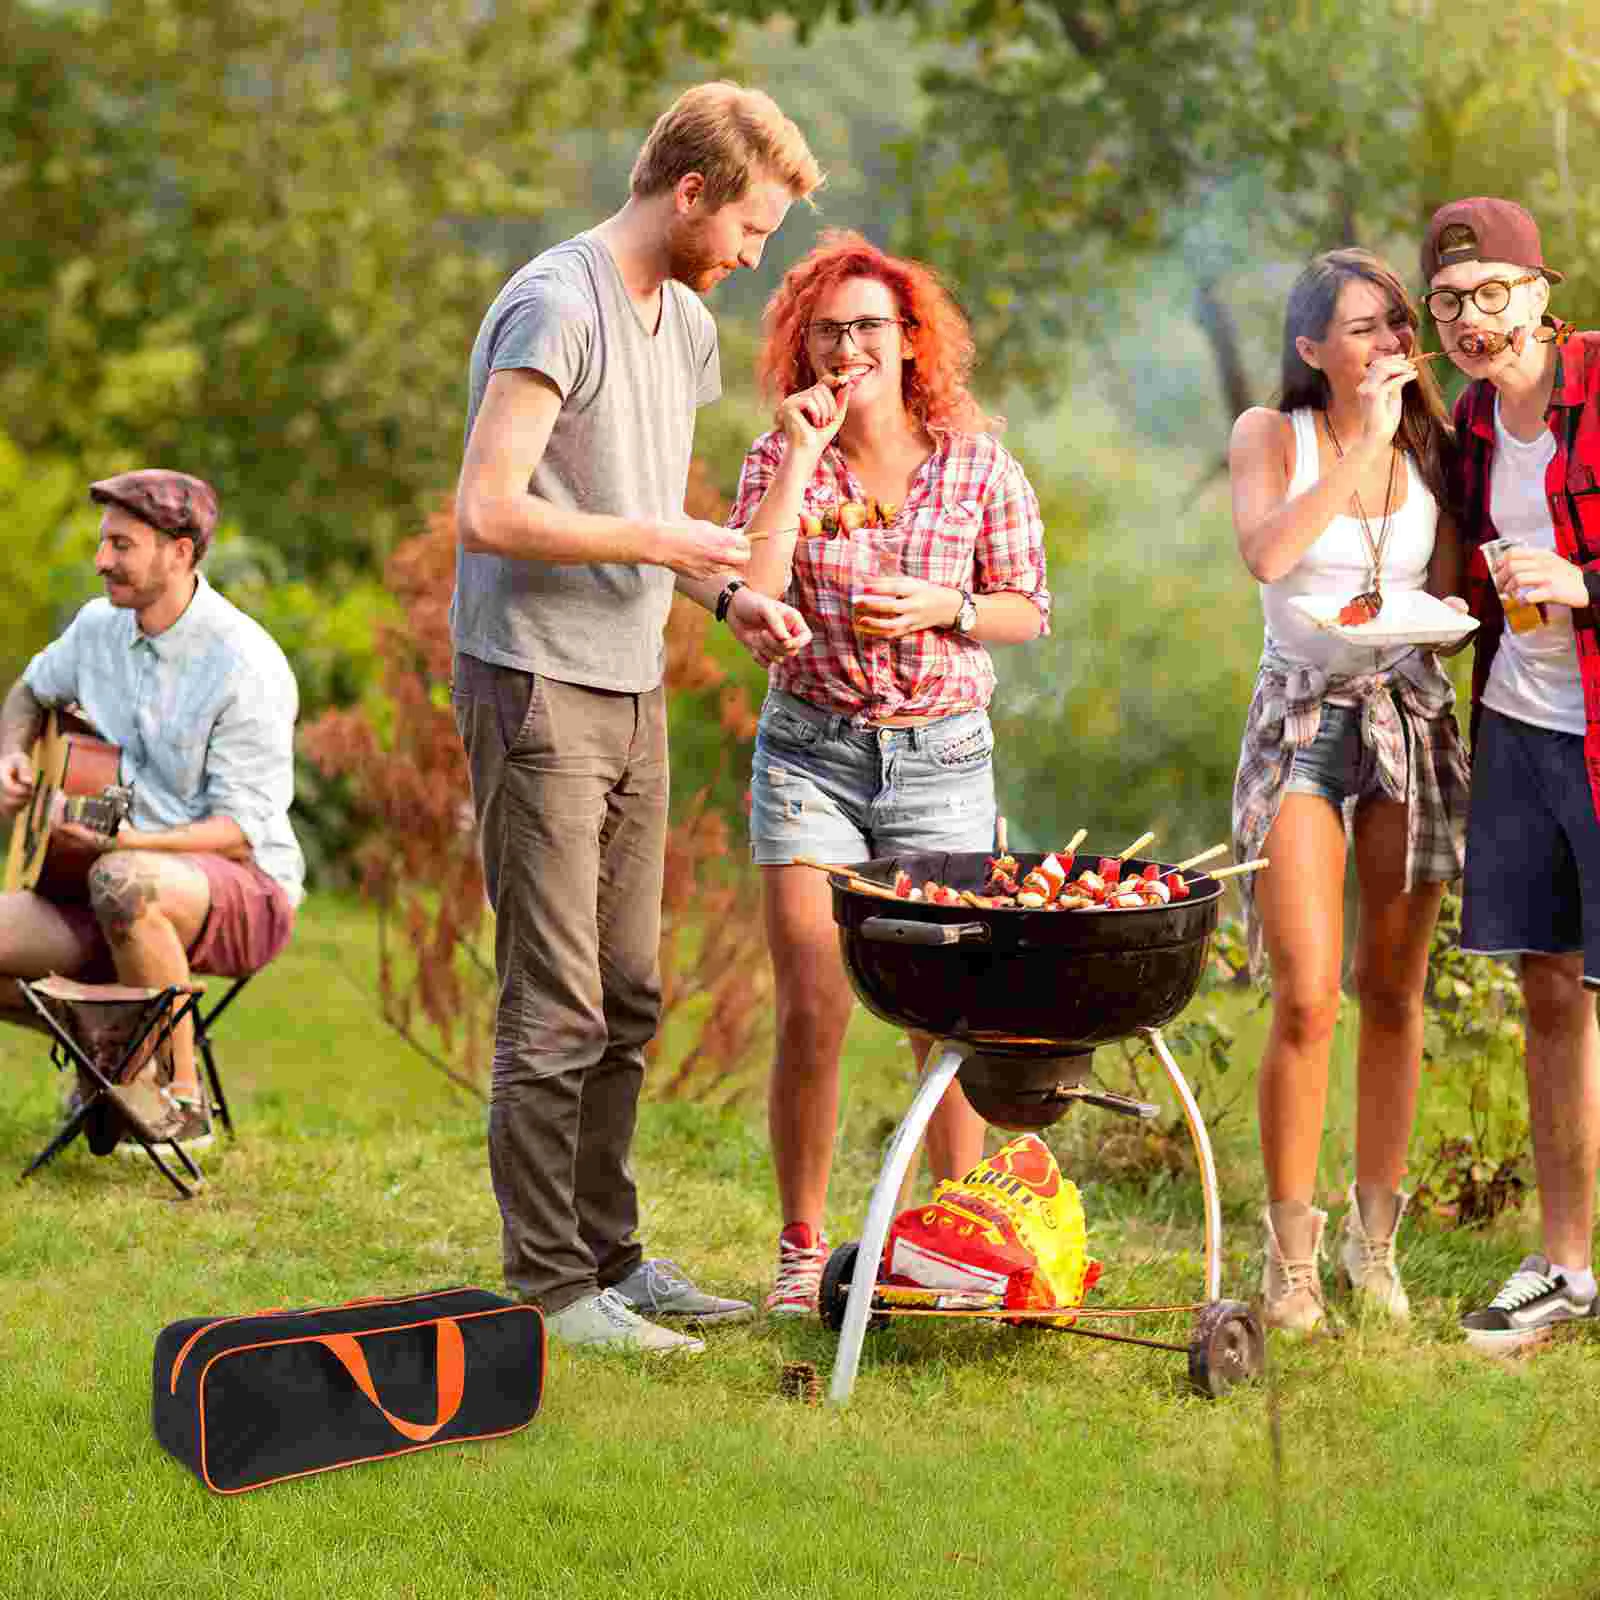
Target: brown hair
934	385
1425	430
725	133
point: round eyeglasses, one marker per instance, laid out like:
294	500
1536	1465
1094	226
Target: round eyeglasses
1490	296
864	330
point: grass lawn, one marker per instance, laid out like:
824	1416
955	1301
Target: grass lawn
972	1460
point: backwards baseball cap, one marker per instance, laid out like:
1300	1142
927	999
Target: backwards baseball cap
171	502
1482	229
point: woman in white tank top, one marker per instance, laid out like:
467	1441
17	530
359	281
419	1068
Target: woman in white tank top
1337	492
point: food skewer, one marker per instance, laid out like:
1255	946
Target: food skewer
1074	842
866	886
1000	836
1205	855
1138	844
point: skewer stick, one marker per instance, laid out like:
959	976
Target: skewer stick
1205	855
1138	844
769	533
1000	836
819	866
852	881
1241	867
1075	841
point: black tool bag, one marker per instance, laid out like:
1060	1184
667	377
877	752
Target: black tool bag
245	1401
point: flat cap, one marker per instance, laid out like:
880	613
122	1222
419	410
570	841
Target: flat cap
171	502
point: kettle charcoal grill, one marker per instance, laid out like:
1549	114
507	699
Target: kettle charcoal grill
1017	1001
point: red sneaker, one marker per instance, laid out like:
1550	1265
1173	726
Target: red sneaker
802	1254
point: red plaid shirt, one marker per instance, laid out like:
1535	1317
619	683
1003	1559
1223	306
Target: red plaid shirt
1572	486
972	522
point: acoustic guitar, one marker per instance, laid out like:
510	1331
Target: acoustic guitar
75	780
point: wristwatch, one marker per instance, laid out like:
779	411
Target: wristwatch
967	616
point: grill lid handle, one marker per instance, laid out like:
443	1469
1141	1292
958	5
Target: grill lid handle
901	930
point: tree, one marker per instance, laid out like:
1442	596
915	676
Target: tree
1074	151
255	240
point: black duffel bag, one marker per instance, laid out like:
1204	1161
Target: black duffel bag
249	1400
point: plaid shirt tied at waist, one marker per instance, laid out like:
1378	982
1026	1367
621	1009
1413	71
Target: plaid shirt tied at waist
1427	772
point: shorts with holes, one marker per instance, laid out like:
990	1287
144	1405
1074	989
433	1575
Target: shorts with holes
838	793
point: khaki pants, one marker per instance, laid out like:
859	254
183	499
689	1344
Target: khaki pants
569	785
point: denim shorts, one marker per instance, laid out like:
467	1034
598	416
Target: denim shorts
1532	882
823	788
1335	764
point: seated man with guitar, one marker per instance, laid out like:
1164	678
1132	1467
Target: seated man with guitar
184	860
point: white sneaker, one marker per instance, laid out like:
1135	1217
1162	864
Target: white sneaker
1367	1265
606	1319
1291	1276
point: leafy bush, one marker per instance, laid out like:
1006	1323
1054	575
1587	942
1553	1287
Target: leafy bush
400	754
1472	1058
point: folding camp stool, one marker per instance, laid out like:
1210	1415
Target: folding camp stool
204	1019
109	1032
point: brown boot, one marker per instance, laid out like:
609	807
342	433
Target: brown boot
1291	1278
1367	1264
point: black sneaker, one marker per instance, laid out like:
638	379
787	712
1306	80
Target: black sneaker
1529	1302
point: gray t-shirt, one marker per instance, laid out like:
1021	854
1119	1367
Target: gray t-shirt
621	445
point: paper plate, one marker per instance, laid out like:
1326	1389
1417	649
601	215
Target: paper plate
1408	617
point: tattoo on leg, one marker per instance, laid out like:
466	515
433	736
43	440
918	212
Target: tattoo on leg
120	892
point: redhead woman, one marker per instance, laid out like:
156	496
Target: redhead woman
874	737
1337	492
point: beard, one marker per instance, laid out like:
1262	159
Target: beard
139	594
692	260
128	596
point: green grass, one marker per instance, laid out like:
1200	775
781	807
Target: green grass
972	1460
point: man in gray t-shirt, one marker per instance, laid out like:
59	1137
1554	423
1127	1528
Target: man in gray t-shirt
584	382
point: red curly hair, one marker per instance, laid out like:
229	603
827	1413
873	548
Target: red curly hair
937	338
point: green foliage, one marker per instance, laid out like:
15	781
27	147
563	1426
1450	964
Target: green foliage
1121	720
1472	1055
255	240
50	536
329	630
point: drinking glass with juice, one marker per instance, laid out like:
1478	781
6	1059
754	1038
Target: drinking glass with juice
1522	616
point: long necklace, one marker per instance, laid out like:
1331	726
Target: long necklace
1365	606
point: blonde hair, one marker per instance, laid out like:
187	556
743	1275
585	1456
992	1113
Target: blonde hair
725	133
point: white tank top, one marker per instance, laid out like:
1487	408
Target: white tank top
1535	674
1338	563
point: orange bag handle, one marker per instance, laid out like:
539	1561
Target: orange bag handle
452	1377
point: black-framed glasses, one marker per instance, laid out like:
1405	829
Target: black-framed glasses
864	330
1490	296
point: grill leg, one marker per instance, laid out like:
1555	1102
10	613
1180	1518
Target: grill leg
944	1061
1208	1165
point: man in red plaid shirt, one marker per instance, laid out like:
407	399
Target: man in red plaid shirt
1526	490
